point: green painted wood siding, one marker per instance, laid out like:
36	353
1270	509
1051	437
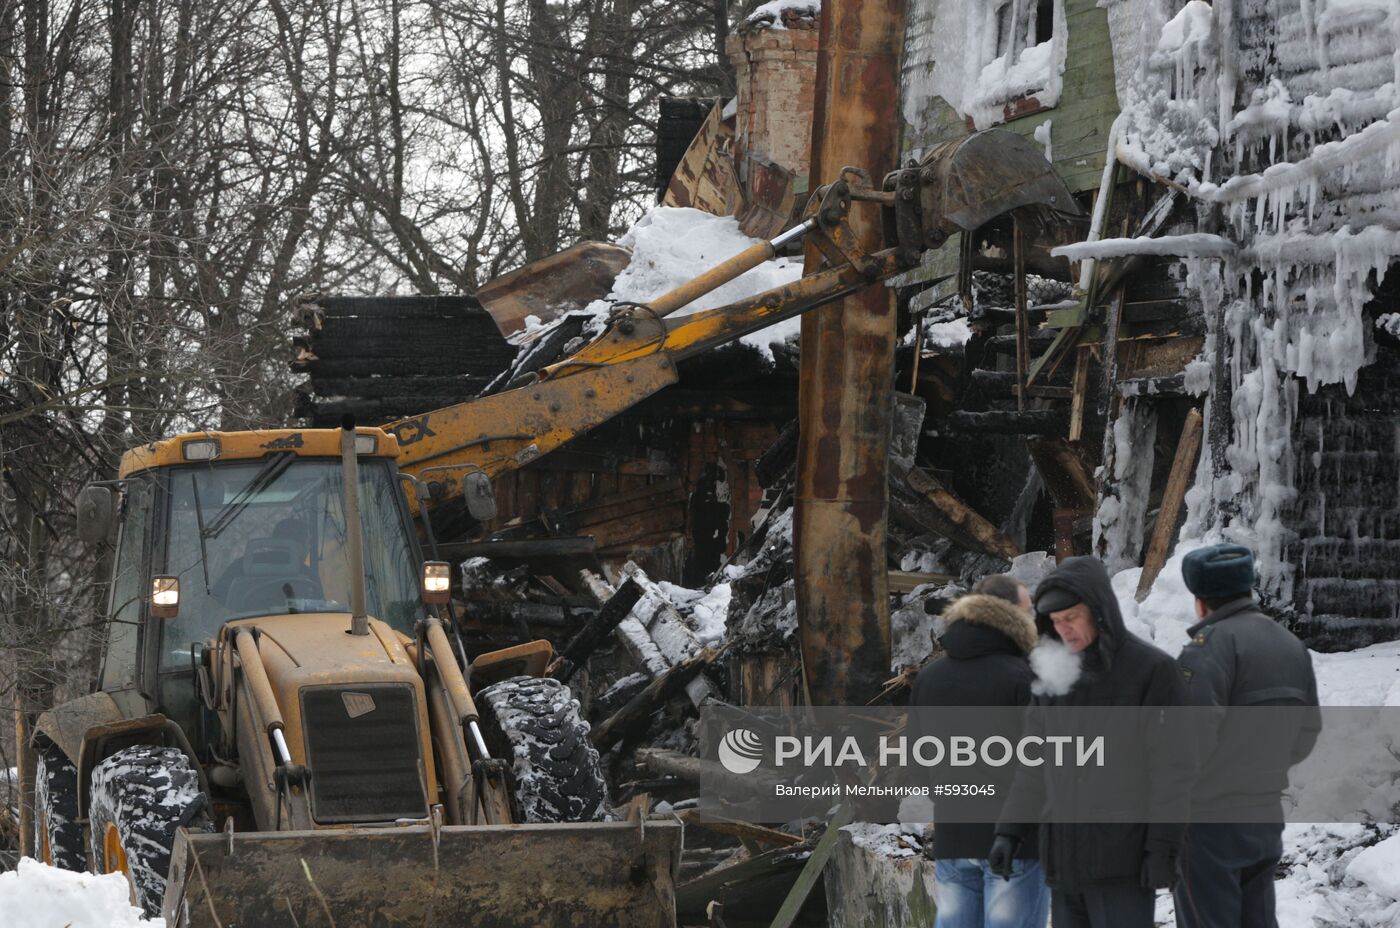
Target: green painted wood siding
1080	122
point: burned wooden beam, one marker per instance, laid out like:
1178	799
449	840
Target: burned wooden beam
633	719
1003	383
748	830
1188	448
1171	385
1006	344
596	629
1067	476
524	548
916	497
1008	422
524	614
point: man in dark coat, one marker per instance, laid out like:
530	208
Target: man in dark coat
988	634
1238	656
1101	875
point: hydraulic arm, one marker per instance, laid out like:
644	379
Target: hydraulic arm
958	186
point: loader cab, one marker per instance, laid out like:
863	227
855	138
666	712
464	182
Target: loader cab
247	524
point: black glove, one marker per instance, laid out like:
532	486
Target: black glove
999	857
1158	870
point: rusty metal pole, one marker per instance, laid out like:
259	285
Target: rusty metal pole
845	405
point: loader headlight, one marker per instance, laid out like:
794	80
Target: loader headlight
365	444
165	597
437	582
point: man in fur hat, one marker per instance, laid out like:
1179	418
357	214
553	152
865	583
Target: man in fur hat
988	634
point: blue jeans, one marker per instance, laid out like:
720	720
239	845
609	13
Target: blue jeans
968	895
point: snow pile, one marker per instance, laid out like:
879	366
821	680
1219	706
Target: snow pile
1379	867
39	896
1056	668
1168	609
673	245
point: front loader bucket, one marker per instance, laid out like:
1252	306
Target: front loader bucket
487	876
969	181
551	287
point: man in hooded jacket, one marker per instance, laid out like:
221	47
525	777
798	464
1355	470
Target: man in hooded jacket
988	634
1102	875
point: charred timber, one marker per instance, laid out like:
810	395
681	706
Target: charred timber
1006	344
598	628
633	719
1009	422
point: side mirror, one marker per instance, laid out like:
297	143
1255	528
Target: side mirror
480	495
97	513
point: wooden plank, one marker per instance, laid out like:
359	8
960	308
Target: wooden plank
738	829
1066	475
1110	353
1188	448
603	624
905	581
1161	357
973	528
812	871
1023	325
573	546
1077	391
633	718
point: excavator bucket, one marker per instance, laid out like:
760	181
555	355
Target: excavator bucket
552	286
487	876
969	181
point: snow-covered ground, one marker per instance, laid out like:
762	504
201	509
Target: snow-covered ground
40	896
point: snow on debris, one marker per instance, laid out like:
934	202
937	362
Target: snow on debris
771	13
1379	868
707	610
39	896
887	840
955	58
1304	172
673	245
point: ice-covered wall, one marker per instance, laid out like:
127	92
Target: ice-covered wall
1279	118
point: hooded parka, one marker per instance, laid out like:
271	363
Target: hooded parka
1117	669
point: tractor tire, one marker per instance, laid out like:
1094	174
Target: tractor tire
535	722
58	835
140	796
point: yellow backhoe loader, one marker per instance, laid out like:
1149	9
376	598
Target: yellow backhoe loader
286	732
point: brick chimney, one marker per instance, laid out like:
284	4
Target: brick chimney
775	64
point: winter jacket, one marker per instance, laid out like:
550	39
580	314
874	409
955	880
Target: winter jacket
984	664
1238	656
1118	669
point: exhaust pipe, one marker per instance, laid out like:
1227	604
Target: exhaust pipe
350	476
